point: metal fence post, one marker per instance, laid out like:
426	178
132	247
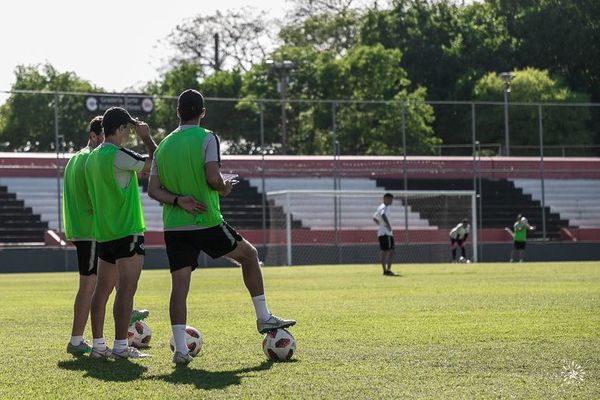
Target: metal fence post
405	173
476	193
288	227
542	171
262	176
58	191
336	184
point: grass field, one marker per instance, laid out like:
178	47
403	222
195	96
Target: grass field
437	331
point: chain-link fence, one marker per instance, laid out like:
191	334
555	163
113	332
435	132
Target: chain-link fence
377	144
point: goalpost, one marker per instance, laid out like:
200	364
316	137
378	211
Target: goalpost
327	226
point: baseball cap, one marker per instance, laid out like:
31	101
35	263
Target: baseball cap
190	100
115	117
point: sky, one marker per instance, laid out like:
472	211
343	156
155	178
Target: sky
117	45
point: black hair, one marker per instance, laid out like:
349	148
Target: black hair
190	104
95	125
388	195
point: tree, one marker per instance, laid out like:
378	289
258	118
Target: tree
446	48
164	118
364	73
244	38
562	124
562	36
27	120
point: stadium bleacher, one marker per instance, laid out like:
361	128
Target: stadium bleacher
576	200
317	212
18	223
501	203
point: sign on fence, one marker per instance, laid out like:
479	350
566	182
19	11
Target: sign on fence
138	104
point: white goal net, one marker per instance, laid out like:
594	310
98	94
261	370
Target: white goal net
324	227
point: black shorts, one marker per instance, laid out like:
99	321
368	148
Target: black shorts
386	242
184	247
87	257
459	242
519	245
121	248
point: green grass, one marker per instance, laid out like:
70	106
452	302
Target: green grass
438	331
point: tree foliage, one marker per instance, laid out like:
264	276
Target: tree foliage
27	121
561	124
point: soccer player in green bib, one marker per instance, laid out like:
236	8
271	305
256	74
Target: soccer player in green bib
118	225
188	163
77	220
519	234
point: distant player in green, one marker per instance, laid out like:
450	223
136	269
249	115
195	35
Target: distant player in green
77	220
187	169
519	234
111	176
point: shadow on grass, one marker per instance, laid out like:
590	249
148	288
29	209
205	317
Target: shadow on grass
210	380
106	370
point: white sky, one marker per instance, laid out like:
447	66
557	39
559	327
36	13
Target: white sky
113	44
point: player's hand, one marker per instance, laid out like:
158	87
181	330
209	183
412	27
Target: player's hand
227	189
532	228
189	204
142	129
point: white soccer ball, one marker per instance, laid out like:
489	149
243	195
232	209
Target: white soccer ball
139	334
193	339
279	345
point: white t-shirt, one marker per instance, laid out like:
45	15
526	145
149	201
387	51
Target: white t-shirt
459	232
383	210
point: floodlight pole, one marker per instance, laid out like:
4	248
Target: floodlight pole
506	77
282	70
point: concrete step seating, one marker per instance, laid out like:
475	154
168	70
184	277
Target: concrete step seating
574	199
316	211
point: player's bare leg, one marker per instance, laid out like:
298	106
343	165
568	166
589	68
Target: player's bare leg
82	304
180	287
128	274
247	256
105	282
81	311
383	261
389	261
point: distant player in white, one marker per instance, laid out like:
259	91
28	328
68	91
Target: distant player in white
385	234
458	237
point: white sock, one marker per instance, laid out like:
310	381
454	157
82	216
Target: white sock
99	343
260	306
179	336
119	345
75	340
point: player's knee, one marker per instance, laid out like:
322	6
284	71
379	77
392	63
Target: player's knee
248	251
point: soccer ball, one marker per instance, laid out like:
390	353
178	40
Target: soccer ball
139	334
193	339
279	345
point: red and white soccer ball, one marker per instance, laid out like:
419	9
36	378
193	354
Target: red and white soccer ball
279	345
193	339
139	335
